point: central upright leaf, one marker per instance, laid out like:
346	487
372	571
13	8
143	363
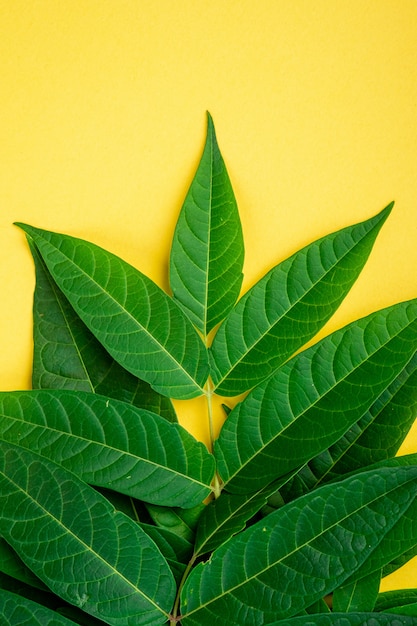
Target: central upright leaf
207	249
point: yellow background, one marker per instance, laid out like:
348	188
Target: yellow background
102	122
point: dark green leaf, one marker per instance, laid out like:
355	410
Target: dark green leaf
376	436
359	595
18	611
110	444
13	566
66	355
293	557
348	619
179	521
288	306
207	249
398	597
228	515
142	328
314	398
84	550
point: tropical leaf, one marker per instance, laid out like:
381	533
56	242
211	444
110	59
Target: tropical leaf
314	398
376	436
227	515
136	322
18	611
182	522
348	619
86	552
293	557
110	444
288	306
207	248
13	566
66	355
397	597
358	596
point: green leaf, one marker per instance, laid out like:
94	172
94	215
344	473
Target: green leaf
348	619
359	595
18	611
293	557
398	597
207	249
288	306
84	550
142	328
110	444
179	521
228	515
314	398
66	354
12	565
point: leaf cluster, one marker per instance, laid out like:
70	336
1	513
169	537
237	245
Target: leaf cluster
112	513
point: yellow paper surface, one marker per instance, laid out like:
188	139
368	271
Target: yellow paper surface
102	122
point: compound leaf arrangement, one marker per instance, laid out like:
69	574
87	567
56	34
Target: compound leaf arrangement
112	513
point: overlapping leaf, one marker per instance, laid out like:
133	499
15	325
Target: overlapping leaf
288	306
137	323
66	355
18	611
298	554
314	398
86	552
207	249
110	444
348	619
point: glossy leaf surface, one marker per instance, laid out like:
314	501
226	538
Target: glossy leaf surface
207	249
321	391
359	595
288	306
348	619
66	355
76	542
110	444
298	554
137	323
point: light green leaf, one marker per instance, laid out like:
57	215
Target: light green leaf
288	306
142	328
18	611
66	355
314	398
207	249
84	550
359	595
293	557
110	444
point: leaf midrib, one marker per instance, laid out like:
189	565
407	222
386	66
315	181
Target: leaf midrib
302	546
126	311
85	545
250	347
105	446
339	381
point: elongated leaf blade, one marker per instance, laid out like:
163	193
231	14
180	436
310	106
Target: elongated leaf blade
136	322
322	391
207	249
348	619
110	444
359	595
12	565
18	611
377	436
398	597
293	557
288	306
228	515
66	355
86	552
